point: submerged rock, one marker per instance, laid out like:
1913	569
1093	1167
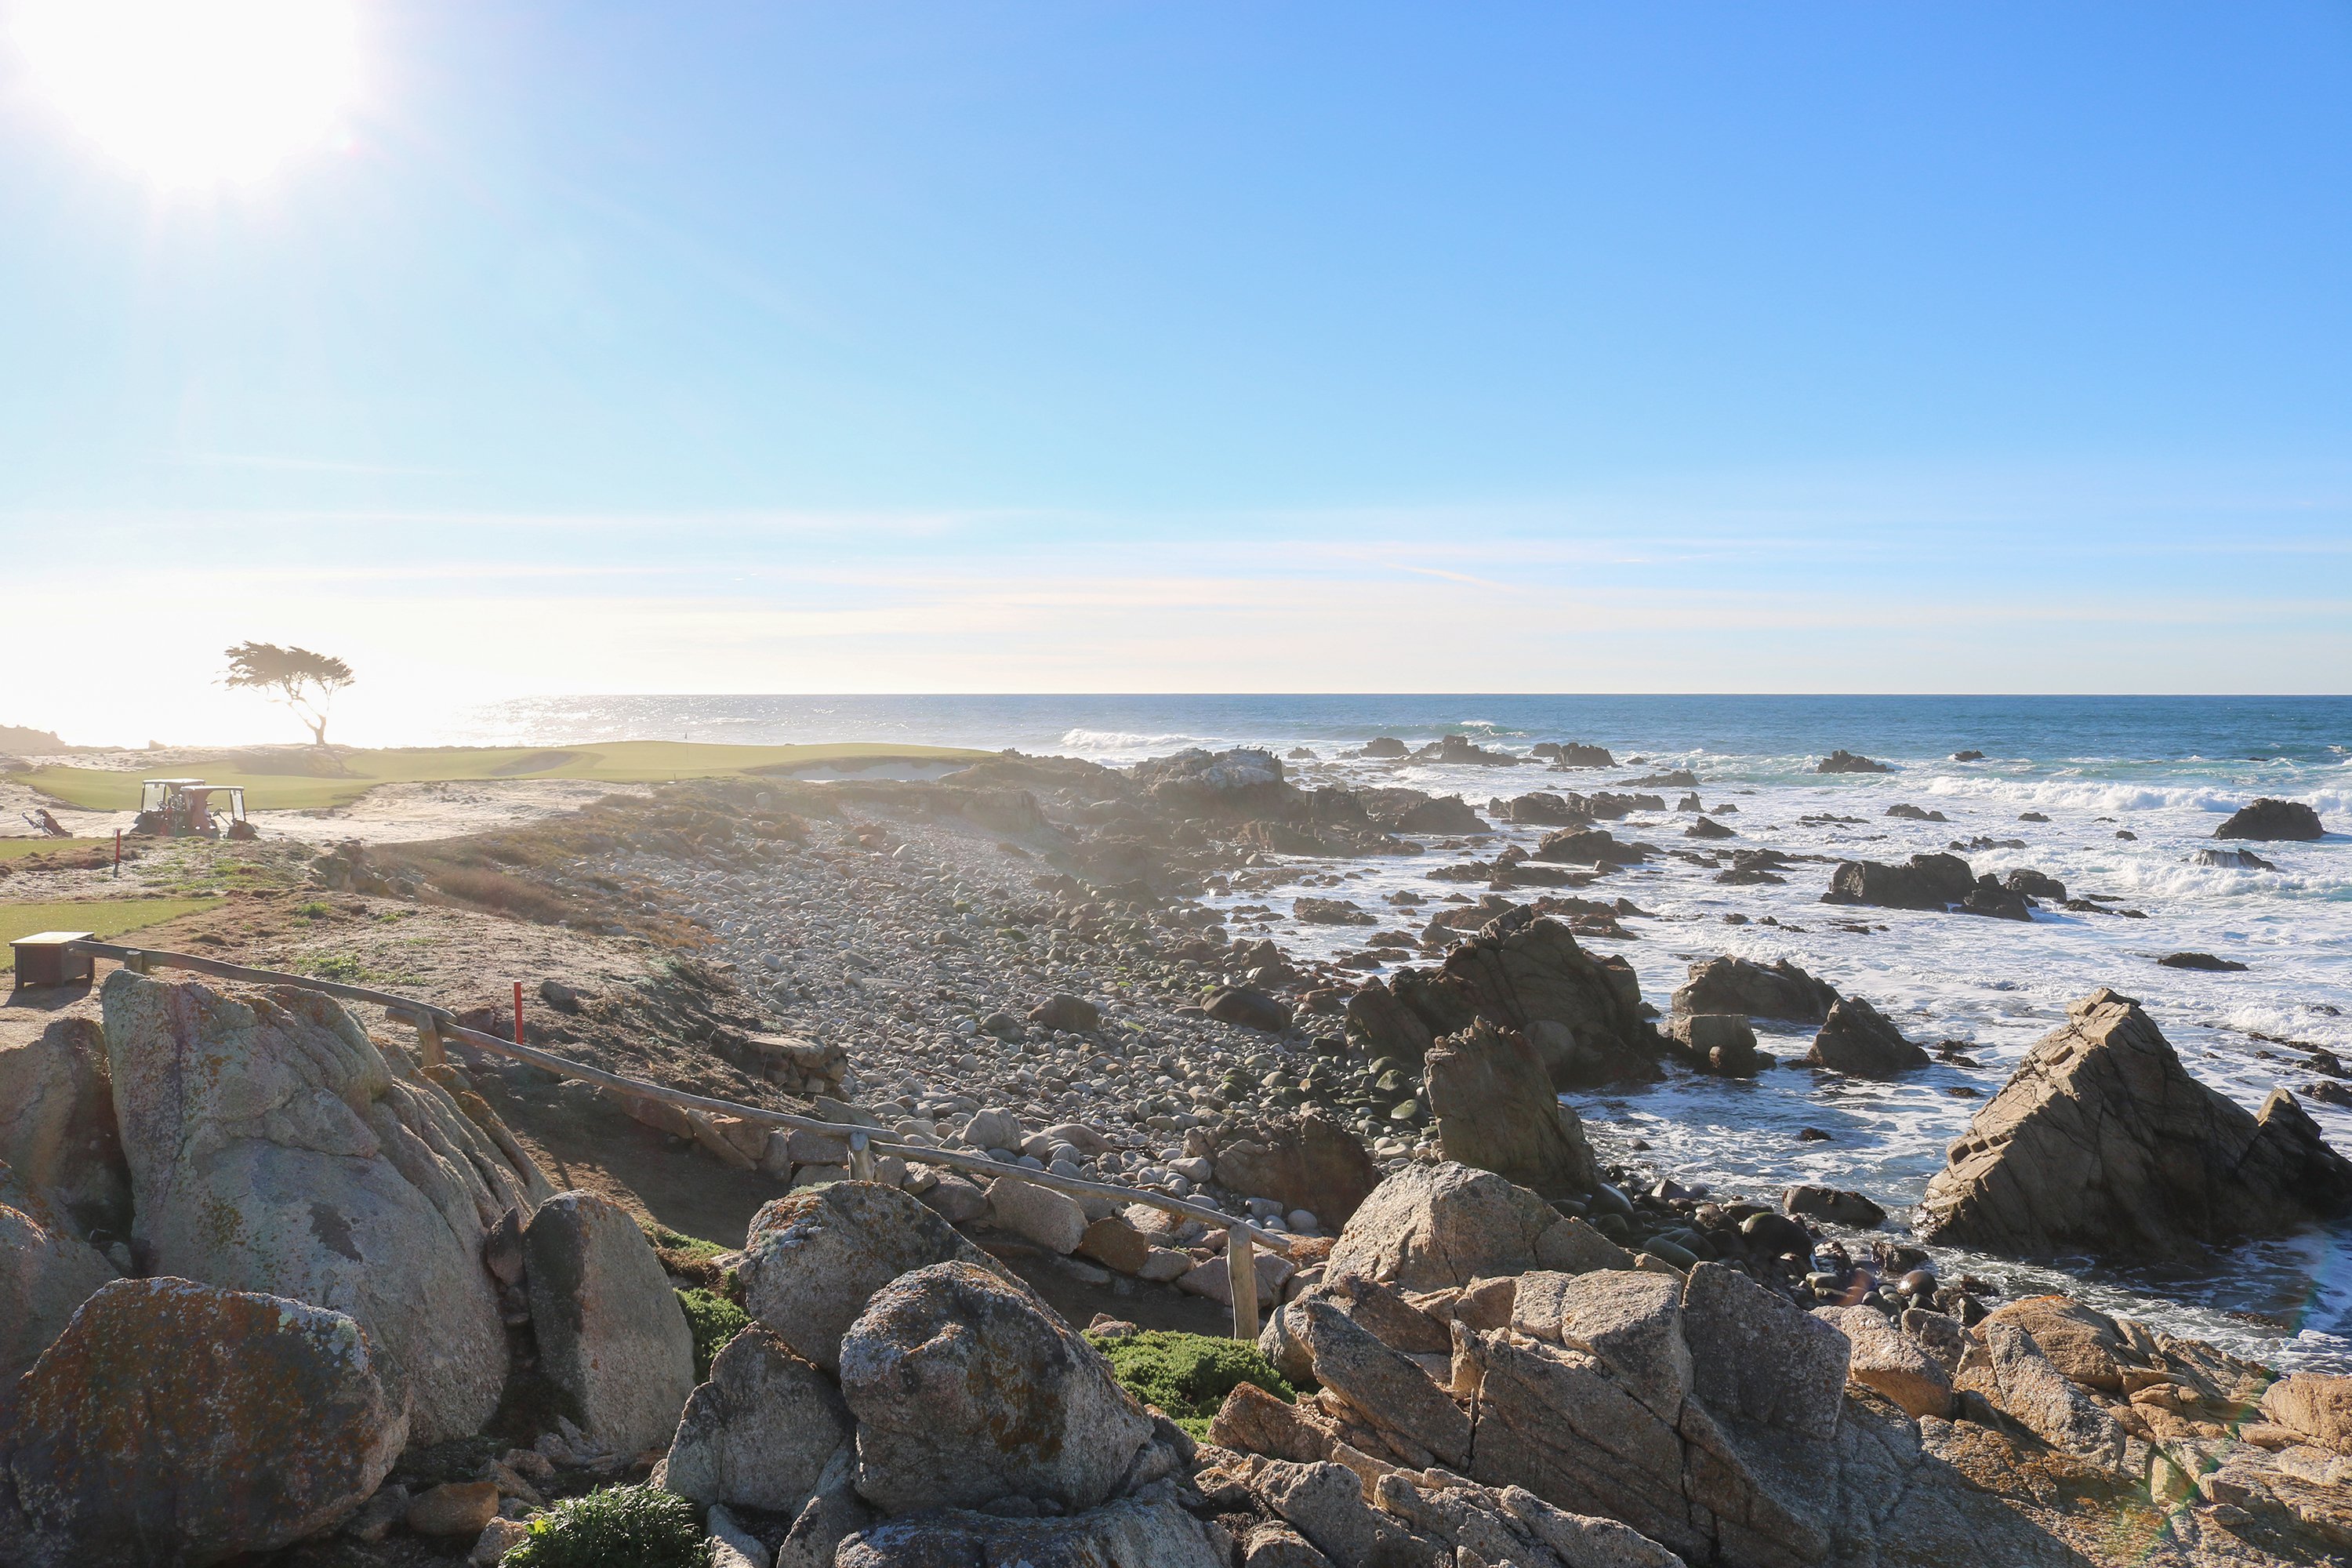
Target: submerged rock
1779	990
1858	1039
2268	818
1923	882
2102	1144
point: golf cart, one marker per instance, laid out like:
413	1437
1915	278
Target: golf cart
183	808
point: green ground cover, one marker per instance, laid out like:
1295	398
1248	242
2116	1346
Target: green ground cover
103	918
625	761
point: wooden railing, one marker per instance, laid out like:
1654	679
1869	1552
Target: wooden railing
435	1025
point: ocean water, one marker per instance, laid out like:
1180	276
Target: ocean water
2164	771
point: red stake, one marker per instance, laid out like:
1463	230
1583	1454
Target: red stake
518	1012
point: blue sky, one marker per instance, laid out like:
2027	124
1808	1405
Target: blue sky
930	347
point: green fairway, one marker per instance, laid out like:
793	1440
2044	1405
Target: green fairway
18	848
104	918
624	762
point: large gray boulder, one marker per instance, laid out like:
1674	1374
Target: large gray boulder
760	1434
1779	990
967	1389
2102	1144
56	1124
1495	1109
813	1257
1429	1226
1141	1533
612	1335
178	1423
46	1272
273	1147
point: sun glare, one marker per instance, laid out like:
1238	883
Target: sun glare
193	93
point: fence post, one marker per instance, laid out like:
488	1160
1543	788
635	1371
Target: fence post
861	1158
1241	1275
429	1041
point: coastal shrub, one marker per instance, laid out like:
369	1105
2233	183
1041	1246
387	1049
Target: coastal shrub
1188	1376
619	1527
715	1319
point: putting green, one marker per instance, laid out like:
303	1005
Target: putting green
624	762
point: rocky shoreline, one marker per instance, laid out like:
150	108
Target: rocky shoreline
1503	1346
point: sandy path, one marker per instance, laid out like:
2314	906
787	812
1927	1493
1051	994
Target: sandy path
388	814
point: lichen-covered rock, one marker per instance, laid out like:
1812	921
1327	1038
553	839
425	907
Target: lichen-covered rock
813	1257
612	1335
1141	1533
967	1389
175	1422
272	1147
2100	1143
1496	1111
760	1434
56	1124
1429	1226
46	1272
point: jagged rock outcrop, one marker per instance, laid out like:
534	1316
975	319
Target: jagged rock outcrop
1779	990
1859	1039
2102	1144
175	1422
2268	818
1844	761
273	1147
966	1389
1495	1109
1923	882
1522	972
